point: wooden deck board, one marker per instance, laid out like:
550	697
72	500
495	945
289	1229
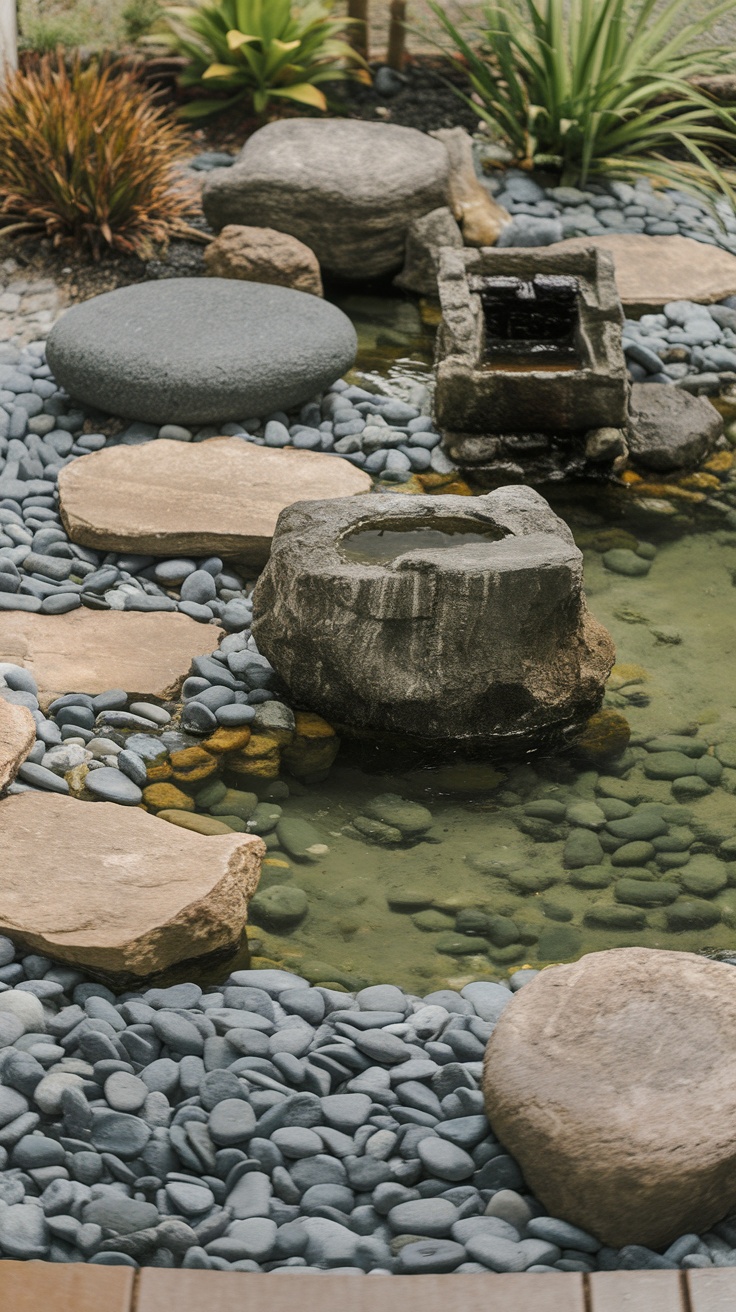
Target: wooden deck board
712	1291
636	1291
221	1291
35	1286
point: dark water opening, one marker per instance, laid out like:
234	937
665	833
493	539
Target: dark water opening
373	545
531	321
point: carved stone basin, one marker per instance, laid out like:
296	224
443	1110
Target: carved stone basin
446	619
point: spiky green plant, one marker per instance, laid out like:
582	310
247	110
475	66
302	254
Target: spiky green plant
86	157
601	89
258	50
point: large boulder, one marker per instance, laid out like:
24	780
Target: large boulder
200	350
612	1081
17	736
220	497
670	429
263	255
118	892
147	654
347	188
442	618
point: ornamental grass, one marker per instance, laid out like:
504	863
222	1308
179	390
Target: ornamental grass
88	159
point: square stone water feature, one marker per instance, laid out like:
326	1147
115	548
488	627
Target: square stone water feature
531	377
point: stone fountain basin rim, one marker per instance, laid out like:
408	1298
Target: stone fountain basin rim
328	523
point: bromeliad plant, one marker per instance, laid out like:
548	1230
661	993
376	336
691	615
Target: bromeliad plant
87	158
601	88
258	50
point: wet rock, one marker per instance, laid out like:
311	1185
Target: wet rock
670	429
263	255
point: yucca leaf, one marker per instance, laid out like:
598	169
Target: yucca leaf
304	94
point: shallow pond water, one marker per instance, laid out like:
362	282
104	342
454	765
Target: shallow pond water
519	865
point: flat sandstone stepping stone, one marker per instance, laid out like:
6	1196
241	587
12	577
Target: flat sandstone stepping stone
219	497
111	889
650	271
17	736
148	655
613	1084
200	350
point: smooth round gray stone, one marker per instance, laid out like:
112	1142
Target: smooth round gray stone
445	1160
430	1256
117	1132
432	1217
23	1232
294	1141
111	785
125	1092
122	1215
231	1122
191	1199
204	350
232	717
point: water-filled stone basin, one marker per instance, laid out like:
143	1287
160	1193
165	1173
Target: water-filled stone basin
374	618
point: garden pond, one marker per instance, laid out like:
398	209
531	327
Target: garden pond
543	860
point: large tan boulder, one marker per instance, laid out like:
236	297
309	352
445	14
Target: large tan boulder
17	736
147	654
116	891
650	271
263	255
612	1081
221	497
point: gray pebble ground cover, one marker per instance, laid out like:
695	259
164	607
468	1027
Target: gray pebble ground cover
42	429
266	1125
542	215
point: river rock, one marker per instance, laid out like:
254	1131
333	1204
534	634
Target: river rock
652	271
670	429
489	640
347	188
220	497
199	350
17	736
263	255
627	1137
110	889
148	655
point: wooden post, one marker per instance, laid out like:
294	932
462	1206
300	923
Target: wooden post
8	38
358	30
396	54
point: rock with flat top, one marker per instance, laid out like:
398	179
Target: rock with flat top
612	1082
346	188
651	271
148	655
17	736
112	890
263	255
200	350
221	497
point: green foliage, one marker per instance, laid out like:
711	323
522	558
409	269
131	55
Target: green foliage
600	88
258	50
86	158
44	35
139	17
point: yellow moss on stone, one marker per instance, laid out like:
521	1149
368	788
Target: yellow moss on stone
228	740
720	463
193	763
201	824
76	780
313	747
156	773
606	734
166	796
699	482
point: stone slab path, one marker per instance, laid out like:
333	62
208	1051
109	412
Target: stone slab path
109	888
650	271
219	497
148	655
30	1286
17	736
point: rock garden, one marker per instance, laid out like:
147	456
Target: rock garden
367	728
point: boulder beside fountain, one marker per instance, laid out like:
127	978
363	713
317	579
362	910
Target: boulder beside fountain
486	643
